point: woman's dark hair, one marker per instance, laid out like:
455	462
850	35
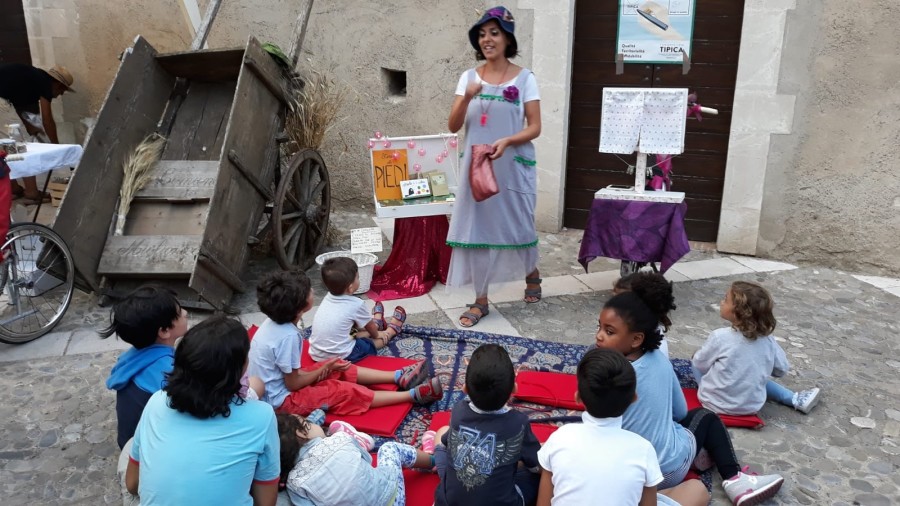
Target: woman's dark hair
138	317
281	295
753	307
639	317
209	364
656	292
512	47
606	382
288	425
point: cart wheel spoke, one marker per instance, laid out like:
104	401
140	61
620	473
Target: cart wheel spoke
301	209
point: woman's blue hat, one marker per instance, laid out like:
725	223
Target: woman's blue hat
503	17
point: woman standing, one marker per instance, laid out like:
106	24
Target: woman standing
495	240
198	441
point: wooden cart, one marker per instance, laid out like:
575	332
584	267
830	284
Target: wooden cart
221	171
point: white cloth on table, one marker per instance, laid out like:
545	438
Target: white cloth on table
645	120
42	158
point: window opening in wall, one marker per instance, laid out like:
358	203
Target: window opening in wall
394	81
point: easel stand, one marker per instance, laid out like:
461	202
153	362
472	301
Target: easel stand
640	173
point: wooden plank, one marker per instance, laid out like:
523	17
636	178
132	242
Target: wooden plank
248	174
130	111
211	132
206	25
185	123
180	180
271	82
149	255
207	65
299	32
166	218
236	206
221	271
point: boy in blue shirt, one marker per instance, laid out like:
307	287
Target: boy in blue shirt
151	320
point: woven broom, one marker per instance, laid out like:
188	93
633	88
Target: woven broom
137	174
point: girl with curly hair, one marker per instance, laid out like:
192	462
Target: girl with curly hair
629	324
200	442
734	365
653	287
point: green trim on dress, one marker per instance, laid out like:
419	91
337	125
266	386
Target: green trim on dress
525	161
499	98
453	244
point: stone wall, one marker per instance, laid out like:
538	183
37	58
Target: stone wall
832	188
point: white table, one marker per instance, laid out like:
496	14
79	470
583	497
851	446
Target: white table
41	158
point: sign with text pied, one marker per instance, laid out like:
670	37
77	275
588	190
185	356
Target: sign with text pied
435	158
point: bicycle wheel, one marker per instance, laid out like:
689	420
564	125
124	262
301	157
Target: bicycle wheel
38	278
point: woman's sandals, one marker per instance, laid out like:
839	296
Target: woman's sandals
474	318
533	293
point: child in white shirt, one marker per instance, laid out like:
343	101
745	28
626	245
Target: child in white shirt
624	467
340	311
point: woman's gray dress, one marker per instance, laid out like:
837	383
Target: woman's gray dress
495	240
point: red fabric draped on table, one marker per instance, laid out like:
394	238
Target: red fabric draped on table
419	258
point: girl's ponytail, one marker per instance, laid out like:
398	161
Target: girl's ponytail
656	292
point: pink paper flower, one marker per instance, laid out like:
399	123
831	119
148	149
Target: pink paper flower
511	93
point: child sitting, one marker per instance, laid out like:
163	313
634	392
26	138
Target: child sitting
340	311
623	466
478	455
275	358
628	324
734	365
150	320
312	462
651	283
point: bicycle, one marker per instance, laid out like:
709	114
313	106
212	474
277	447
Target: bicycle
37	281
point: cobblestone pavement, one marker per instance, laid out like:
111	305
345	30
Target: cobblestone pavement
57	439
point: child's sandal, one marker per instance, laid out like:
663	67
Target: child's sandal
399	315
379	309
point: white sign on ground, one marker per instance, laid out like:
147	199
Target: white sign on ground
366	240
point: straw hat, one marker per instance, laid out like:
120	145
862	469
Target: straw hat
62	75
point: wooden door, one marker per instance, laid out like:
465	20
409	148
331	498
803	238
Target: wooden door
700	170
13	34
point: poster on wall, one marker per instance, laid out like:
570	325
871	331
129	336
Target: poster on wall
655	31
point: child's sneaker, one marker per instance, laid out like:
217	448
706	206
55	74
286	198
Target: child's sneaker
749	489
364	440
317	417
413	375
428	392
805	400
428	441
702	461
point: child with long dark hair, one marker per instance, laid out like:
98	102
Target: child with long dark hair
628	324
734	364
198	441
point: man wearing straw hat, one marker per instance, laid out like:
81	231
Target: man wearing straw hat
30	90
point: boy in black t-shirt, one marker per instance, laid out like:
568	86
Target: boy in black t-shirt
478	456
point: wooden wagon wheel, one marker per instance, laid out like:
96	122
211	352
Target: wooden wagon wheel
301	211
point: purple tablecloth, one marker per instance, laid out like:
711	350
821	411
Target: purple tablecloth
637	231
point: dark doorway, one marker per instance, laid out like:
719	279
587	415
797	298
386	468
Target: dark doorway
13	36
700	170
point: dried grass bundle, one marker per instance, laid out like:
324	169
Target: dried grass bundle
314	109
137	174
